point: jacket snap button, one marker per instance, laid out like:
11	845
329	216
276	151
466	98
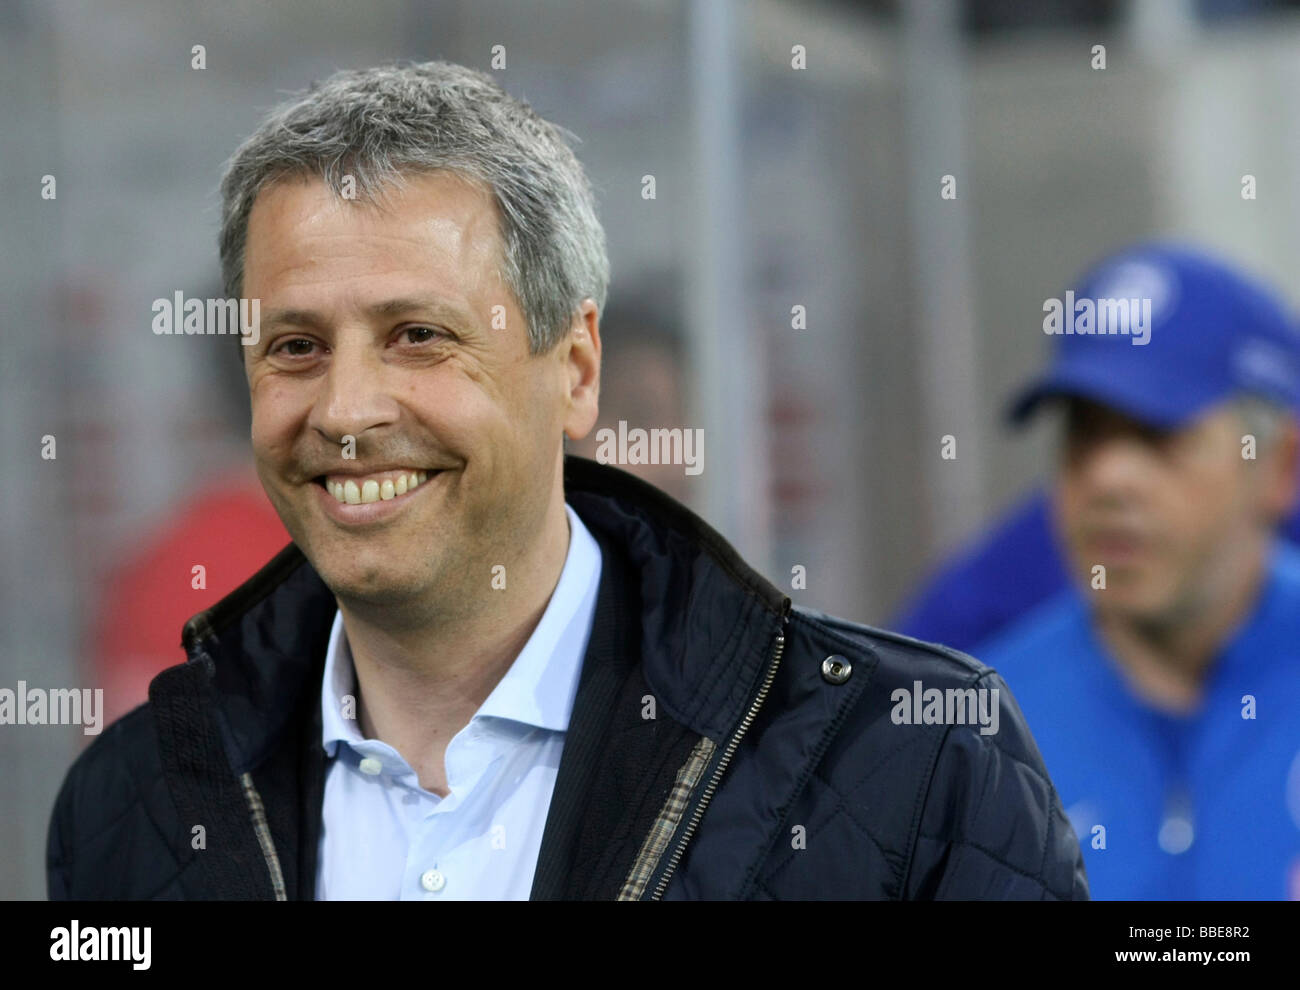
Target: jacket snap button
836	669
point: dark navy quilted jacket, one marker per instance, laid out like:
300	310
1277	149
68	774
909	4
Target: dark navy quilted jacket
771	770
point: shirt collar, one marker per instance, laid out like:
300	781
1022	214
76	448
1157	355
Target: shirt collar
540	685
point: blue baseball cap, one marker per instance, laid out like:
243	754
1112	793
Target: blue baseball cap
1161	332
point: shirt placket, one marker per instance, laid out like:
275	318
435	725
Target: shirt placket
445	838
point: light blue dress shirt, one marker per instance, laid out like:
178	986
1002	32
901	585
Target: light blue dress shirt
384	837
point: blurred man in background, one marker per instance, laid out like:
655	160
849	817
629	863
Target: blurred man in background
1163	686
1010	567
642	377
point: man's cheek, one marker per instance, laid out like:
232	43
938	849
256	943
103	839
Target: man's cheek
271	435
260	432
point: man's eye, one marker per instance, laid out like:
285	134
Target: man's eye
297	347
422	335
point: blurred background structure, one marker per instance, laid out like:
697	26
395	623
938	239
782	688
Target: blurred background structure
798	287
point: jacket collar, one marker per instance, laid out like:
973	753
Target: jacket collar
707	619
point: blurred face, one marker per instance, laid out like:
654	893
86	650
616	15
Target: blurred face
644	391
1169	514
377	325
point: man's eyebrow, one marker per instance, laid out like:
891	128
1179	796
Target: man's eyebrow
436	308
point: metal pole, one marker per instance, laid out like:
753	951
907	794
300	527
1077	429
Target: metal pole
730	382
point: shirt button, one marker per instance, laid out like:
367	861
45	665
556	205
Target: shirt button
371	766
433	881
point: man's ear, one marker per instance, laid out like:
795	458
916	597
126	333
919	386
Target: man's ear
581	356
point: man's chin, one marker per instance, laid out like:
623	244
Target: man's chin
371	584
1136	605
1122	589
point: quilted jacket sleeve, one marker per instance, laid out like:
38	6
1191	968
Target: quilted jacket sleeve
113	831
993	826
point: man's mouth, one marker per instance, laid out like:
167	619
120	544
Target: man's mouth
1117	546
382	486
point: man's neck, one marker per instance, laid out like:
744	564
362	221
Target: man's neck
1167	660
420	683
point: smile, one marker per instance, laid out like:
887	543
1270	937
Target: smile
382	486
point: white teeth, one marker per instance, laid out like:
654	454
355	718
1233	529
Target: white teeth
370	490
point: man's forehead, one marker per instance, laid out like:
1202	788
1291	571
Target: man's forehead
434	243
437	209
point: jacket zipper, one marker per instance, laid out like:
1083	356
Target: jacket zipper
256	810
703	804
263	831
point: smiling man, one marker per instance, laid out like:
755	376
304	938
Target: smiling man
379	341
483	669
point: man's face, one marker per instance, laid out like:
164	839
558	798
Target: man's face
378	324
1165	512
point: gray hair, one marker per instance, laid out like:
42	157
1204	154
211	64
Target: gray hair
378	124
1262	416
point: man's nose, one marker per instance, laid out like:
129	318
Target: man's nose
1111	465
354	394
